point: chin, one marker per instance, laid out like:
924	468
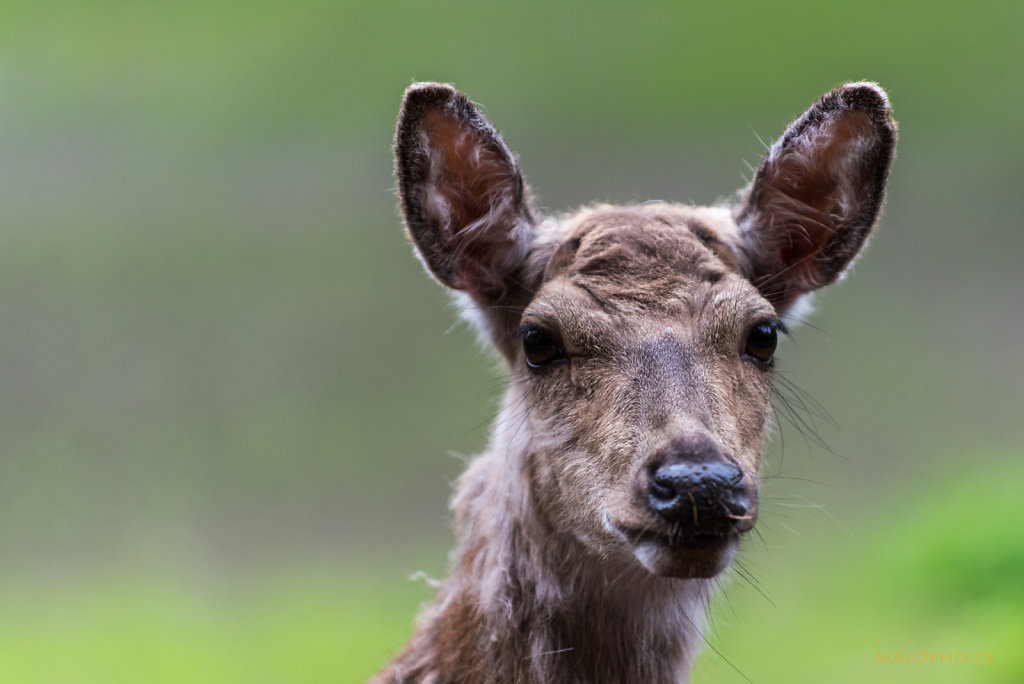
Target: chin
692	558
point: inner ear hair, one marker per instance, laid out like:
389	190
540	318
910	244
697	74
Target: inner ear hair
460	189
818	193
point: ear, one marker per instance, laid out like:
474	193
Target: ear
818	192
461	193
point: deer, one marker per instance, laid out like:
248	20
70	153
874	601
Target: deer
622	470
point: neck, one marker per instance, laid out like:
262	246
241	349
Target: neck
527	603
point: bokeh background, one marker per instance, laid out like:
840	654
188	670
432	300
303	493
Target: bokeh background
232	405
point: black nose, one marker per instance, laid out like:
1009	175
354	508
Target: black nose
701	498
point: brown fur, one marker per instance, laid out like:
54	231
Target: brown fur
568	569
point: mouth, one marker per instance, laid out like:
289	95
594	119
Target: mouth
678	541
671	554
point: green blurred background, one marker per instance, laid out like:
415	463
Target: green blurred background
233	405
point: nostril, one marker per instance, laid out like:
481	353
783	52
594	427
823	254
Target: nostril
662	488
670	482
671	488
737	509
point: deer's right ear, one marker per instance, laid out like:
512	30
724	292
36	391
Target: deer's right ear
461	193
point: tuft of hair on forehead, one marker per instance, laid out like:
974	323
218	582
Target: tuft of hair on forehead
641	254
641	236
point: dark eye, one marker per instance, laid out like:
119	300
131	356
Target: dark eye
762	340
540	348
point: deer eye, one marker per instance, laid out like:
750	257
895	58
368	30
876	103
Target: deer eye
762	340
540	348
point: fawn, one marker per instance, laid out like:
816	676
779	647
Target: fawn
623	467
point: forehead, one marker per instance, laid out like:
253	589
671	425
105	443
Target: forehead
653	259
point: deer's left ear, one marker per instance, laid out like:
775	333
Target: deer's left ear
818	192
